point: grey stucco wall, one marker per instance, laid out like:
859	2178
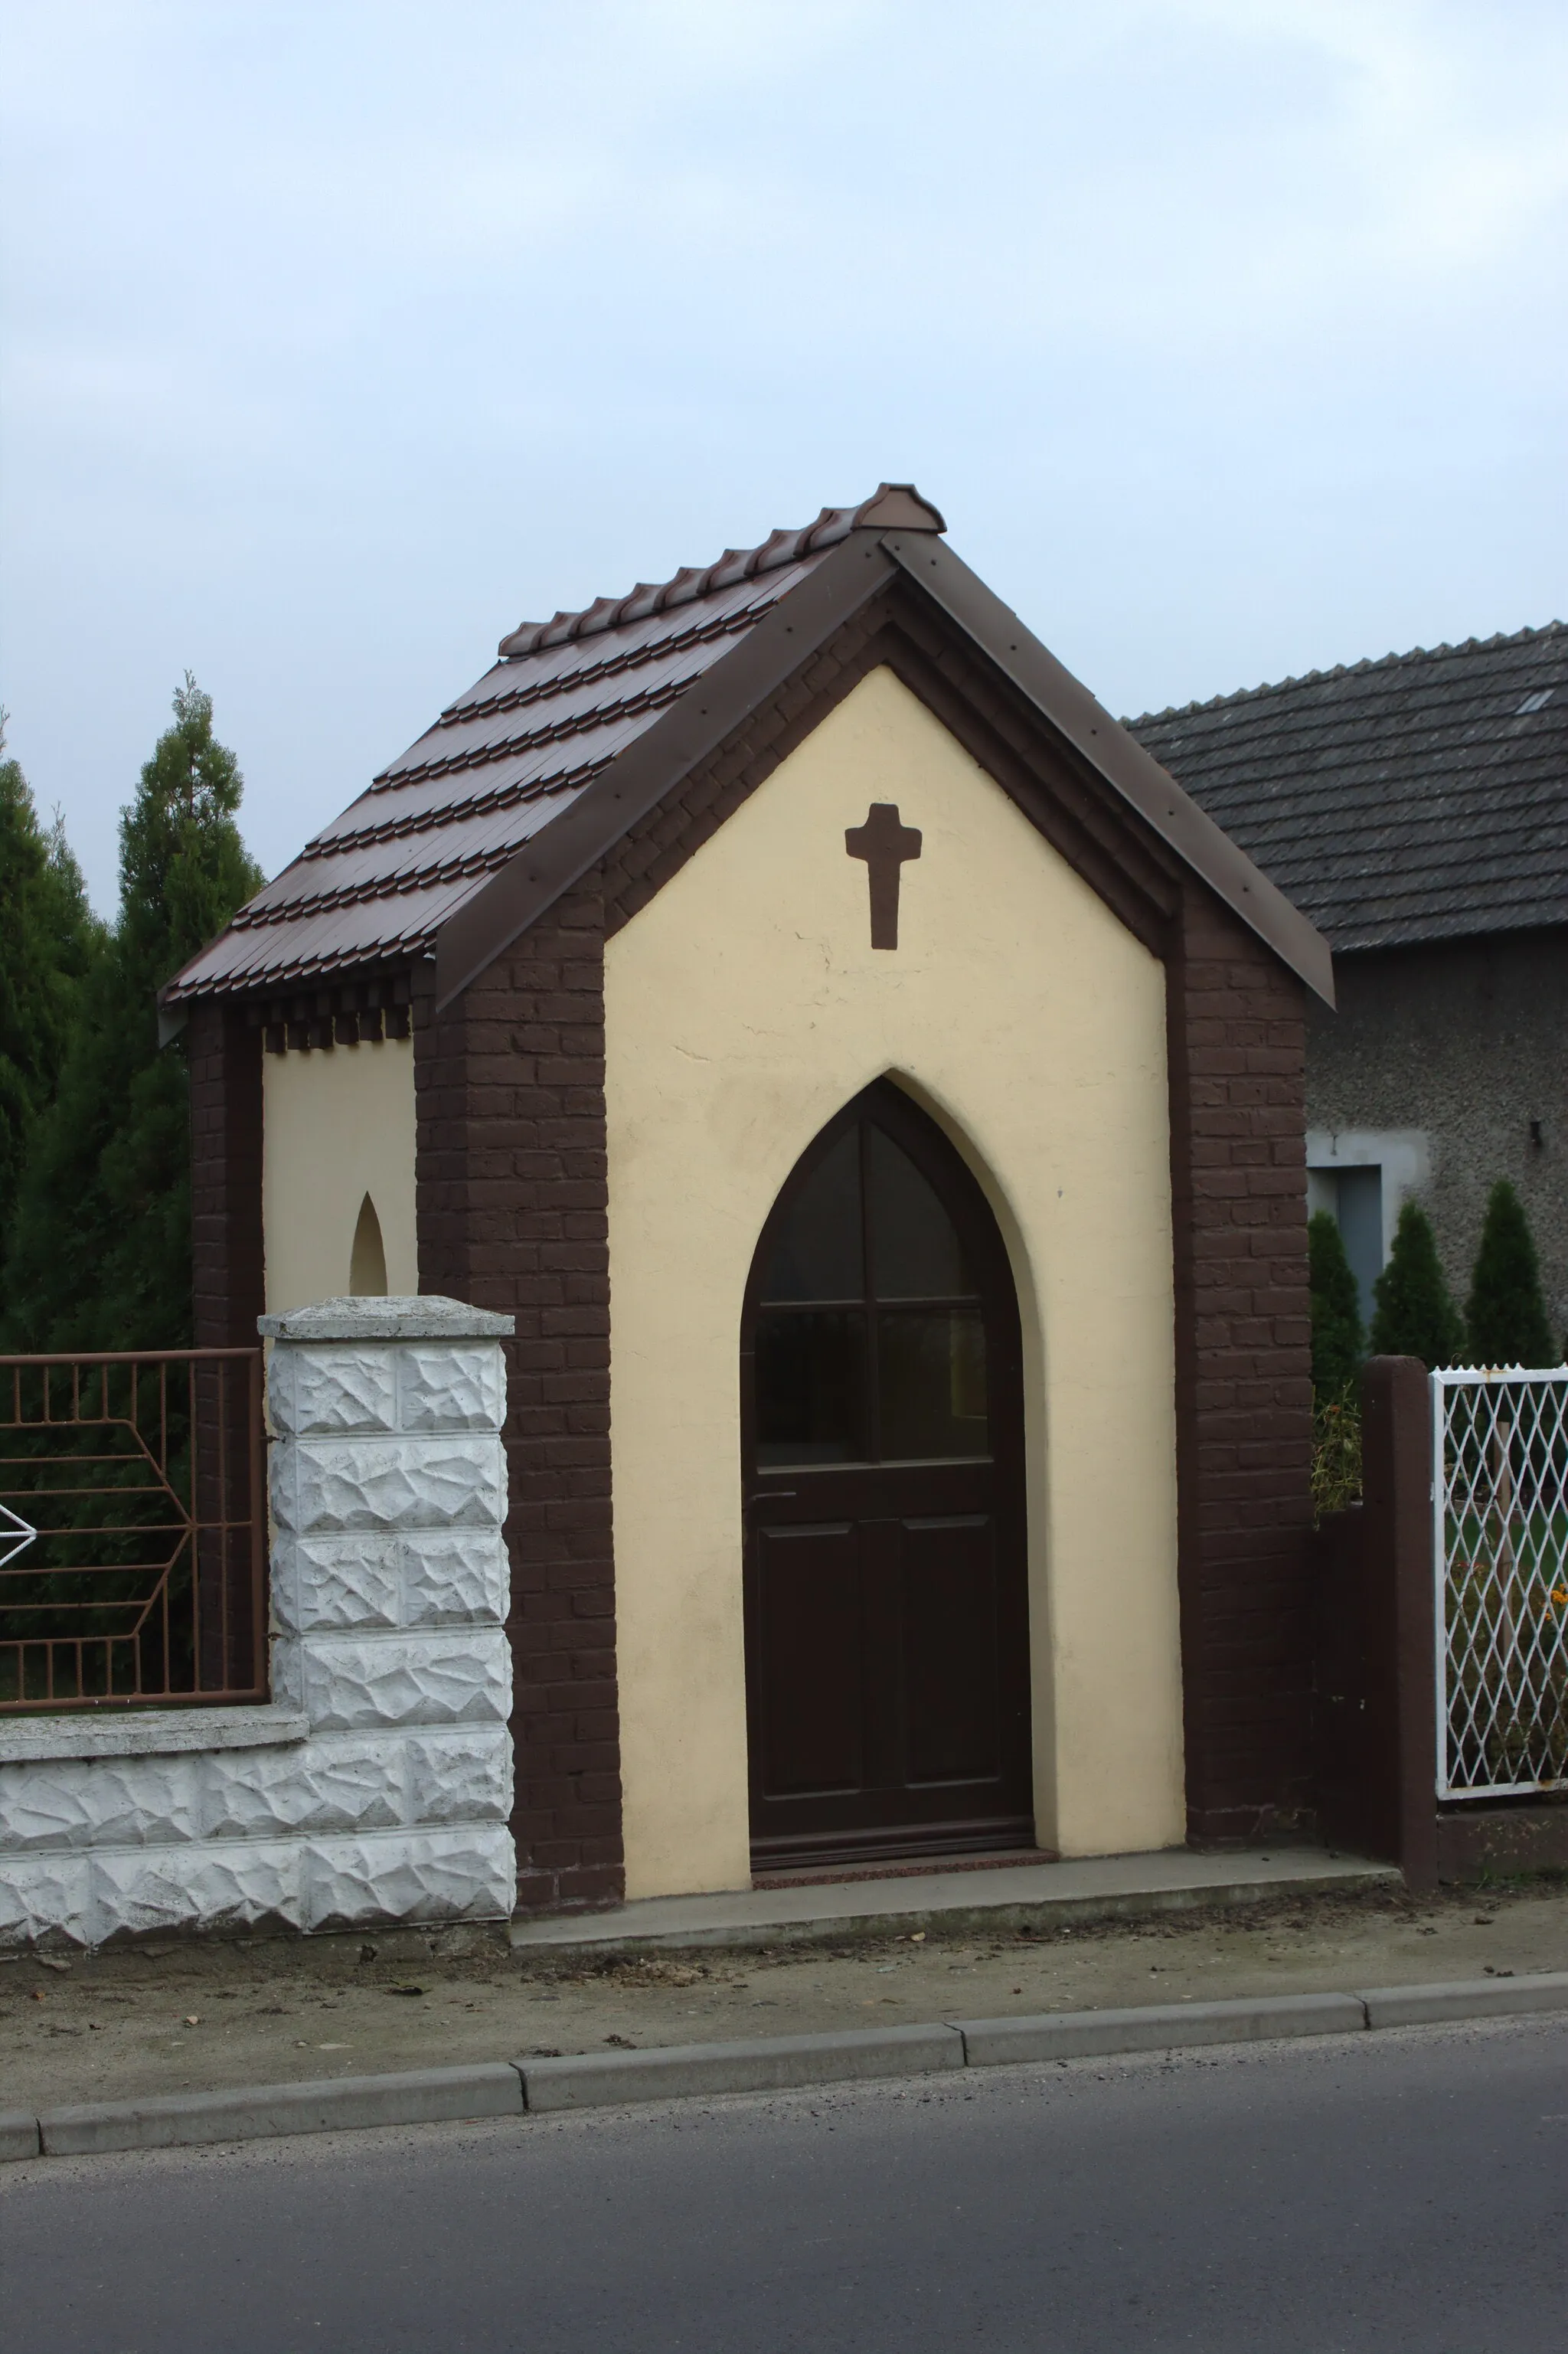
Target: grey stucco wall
1468	1042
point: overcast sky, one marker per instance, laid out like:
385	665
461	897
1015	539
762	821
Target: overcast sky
1230	336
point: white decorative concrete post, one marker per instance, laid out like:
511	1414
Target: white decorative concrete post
389	1596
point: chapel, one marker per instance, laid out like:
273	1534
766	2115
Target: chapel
876	1090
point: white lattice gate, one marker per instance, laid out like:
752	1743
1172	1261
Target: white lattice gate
1501	1547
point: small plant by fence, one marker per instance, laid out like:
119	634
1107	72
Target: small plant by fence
132	1530
1336	1453
1501	1514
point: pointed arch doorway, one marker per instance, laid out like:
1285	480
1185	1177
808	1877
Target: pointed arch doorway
886	1598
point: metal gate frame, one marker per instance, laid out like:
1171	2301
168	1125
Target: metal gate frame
153	1591
1500	1552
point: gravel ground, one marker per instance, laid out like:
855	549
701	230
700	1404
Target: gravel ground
136	2021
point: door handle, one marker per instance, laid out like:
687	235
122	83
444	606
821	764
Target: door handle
771	1496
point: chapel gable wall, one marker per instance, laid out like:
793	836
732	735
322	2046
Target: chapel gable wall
746	1004
512	1215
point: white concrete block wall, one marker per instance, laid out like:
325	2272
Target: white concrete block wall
377	1785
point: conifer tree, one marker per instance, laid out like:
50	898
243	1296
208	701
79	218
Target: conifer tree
1415	1314
1336	1309
48	936
1505	1314
100	1252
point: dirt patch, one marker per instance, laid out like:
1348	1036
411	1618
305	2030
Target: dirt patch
130	2021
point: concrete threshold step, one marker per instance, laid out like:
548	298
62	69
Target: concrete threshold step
1005	1896
594	2080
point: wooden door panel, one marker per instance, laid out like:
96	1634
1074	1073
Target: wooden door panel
809	1626
950	1642
886	1611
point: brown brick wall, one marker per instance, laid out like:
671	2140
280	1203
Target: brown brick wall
1244	1389
224	1057
509	1084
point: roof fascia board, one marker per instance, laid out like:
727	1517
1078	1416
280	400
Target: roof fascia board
565	848
1131	771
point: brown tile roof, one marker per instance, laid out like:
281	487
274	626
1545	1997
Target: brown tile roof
587	721
563	699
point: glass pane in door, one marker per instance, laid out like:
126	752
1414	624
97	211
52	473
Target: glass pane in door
931	1384
810	1386
915	1253
817	1253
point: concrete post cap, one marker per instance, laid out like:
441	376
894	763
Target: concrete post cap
362	1318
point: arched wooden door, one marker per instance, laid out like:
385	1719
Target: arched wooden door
886	1605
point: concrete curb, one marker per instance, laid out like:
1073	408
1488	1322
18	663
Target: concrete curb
419	2096
1491	1998
764	2064
1157	2027
18	2134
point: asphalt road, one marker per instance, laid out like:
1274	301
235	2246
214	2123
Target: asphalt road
1390	2193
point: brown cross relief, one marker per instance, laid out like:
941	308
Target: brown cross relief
885	845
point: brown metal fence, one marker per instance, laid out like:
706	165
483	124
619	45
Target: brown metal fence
132	1530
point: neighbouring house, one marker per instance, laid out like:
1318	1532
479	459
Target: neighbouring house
1416	809
877	1092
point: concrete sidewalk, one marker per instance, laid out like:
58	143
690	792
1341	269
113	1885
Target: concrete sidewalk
152	2022
1003	1896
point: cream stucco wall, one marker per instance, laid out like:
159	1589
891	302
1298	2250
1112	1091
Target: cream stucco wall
336	1126
744	1005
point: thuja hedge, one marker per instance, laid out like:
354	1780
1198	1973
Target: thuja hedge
95	1213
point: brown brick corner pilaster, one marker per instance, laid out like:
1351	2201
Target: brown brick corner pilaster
223	1055
511	1208
1244	1386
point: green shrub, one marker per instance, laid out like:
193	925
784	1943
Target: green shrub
1415	1314
1336	1309
1505	1314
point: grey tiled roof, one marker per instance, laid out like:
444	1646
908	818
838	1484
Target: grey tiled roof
1423	797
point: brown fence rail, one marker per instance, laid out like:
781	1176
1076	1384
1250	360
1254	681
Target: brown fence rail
132	1530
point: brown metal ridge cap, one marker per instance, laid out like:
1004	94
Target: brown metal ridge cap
715	705
1120	758
892	506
